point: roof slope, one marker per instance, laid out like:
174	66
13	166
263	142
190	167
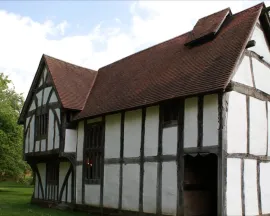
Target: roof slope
73	83
171	69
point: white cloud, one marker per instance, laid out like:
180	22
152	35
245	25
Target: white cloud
24	40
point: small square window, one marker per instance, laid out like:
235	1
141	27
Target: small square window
170	113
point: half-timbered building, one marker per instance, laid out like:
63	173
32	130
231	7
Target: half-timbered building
181	128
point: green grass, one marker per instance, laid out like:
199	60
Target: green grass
15	201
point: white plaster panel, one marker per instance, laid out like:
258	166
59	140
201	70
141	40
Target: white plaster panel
58	114
27	122
169	188
191	122
111	186
243	73
46	94
233	194
112	136
36	187
268	123
45	72
26	142
57	136
50	130
80	141
53	98
69	188
261	46
63	199
40	81
169	140
70	140
79	184
42	171
63	169
261	76
210	120
237	123
39	98
92	194
37	143
250	182
33	106
32	134
132	133
89	121
151	131
131	184
43	145
258	127
150	187
265	187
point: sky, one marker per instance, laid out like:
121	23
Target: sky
91	34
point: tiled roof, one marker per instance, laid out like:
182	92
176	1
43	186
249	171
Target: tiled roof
73	83
171	69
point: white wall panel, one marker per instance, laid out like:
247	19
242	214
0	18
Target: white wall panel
250	182
237	123
33	106
131	183
26	142
45	72
169	188
111	186
36	187
169	140
39	98
37	146
265	187
233	194
53	98
261	76
50	130
112	136
210	120
261	46
151	131
69	188
258	127
43	145
46	94
57	135
132	133
150	187
191	122
32	134
92	194
79	184
70	140
80	141
63	169
42	171
243	73
268	123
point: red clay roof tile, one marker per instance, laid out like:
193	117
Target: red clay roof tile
171	69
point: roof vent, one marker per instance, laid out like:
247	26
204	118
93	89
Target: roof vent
207	27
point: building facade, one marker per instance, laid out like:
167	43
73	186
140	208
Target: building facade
201	150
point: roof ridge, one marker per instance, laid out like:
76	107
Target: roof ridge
57	59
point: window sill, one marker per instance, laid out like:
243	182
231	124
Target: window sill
171	123
92	181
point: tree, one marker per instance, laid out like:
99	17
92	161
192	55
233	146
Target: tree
11	134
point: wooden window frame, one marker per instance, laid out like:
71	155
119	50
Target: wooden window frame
93	153
41	129
170	113
52	173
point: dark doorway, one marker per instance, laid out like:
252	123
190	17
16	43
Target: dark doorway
200	185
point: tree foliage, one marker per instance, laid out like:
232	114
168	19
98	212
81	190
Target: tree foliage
11	134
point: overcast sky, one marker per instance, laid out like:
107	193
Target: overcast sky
91	33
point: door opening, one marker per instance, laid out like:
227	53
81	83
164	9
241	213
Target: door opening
200	185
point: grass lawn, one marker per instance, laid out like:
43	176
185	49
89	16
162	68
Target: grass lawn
15	201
